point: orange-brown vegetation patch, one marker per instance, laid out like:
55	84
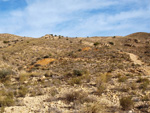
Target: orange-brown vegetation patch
86	49
42	62
45	61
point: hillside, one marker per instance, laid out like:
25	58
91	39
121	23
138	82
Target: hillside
56	74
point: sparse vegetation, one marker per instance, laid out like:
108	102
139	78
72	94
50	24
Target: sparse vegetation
82	75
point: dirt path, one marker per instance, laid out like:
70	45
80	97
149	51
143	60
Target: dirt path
144	67
134	58
87	43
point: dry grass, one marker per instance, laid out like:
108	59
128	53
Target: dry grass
93	108
77	96
6	98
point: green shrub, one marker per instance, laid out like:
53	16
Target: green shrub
77	72
126	103
5	42
96	44
111	43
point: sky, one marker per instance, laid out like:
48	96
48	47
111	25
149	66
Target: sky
74	18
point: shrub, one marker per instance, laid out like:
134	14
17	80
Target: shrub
125	89
143	80
77	96
53	91
146	98
87	77
76	80
4	74
96	44
79	49
24	76
103	78
144	85
101	82
122	79
93	108
100	89
126	103
77	72
111	43
133	86
114	37
5	42
6	98
36	91
22	91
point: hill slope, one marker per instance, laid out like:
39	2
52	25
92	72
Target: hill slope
65	75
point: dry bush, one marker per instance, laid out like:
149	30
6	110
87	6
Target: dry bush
5	75
100	89
36	91
126	103
140	80
22	91
146	98
93	108
53	91
122	79
6	98
77	96
103	78
24	77
134	86
144	85
78	76
76	80
101	82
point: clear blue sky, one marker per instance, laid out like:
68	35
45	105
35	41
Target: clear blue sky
74	17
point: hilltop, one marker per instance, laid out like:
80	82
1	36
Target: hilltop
58	74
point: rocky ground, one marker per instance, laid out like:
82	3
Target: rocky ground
56	74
